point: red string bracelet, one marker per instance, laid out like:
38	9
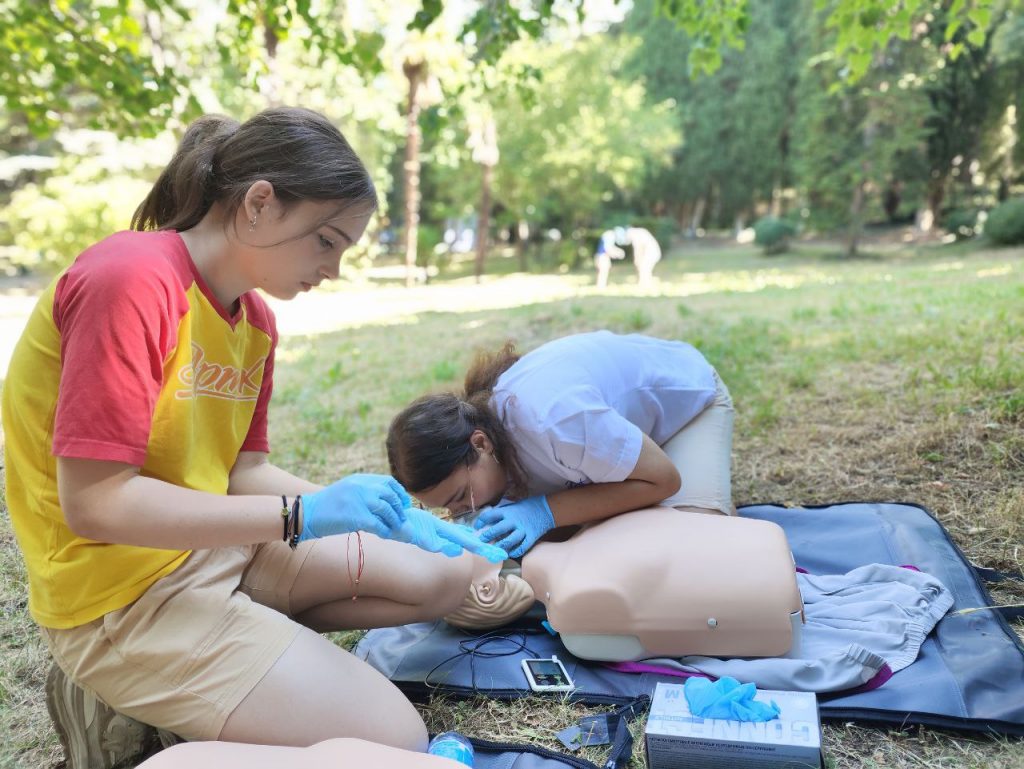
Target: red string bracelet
359	563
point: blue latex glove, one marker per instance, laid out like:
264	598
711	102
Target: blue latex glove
727	698
431	533
360	502
516	526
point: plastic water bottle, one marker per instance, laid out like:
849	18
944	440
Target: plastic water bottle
452	745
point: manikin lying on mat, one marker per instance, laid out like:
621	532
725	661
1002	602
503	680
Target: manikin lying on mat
717	596
581	429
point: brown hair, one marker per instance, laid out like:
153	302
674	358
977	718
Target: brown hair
430	437
297	150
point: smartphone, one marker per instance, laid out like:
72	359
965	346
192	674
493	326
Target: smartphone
547	675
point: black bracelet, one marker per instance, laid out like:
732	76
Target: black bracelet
284	517
293	523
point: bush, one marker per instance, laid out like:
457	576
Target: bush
53	222
1005	223
773	235
428	237
962	222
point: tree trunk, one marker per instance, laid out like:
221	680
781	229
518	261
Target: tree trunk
853	232
936	195
270	86
698	214
484	219
414	74
777	194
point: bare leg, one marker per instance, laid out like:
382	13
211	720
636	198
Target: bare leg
604	265
400	584
330	754
317	691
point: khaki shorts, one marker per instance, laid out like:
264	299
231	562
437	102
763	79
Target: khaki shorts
702	453
184	655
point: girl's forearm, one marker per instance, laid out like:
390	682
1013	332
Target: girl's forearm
598	501
112	503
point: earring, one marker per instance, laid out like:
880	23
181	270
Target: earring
252	223
495	458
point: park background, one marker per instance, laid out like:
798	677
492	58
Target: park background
838	187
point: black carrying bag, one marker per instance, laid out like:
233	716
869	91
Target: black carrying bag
506	755
969	675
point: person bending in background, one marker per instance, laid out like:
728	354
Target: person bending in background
578	430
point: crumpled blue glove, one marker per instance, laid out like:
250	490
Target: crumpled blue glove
360	502
516	525
425	530
727	698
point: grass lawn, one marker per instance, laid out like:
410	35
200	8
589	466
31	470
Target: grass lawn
895	377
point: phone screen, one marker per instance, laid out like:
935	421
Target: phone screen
547	673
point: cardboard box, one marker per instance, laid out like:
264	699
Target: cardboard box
676	739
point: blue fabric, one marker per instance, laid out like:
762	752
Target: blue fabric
727	698
516	526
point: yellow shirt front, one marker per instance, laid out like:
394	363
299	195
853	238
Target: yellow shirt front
128	358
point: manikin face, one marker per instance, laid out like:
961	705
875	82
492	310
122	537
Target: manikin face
290	250
469	487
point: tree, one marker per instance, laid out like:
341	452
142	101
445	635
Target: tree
585	133
95	58
735	122
849	136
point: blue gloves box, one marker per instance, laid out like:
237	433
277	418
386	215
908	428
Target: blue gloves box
678	739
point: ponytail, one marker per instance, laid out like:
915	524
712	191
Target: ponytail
487	367
298	151
183	192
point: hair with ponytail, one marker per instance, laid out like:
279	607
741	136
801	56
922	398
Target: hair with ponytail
298	151
430	437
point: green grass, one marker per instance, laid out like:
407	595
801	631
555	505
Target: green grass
896	377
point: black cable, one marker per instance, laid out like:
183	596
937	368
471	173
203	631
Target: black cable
475	647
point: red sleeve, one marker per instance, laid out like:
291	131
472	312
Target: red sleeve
262	317
118	321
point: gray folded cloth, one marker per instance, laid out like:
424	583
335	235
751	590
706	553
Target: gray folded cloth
867	623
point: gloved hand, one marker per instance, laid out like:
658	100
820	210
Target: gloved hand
727	698
360	502
429	532
516	525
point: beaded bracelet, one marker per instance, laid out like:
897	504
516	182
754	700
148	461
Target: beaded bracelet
294	530
284	517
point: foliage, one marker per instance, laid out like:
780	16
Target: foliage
587	132
734	123
92	194
962	222
849	138
96	57
773	234
864	28
92	59
428	236
1005	223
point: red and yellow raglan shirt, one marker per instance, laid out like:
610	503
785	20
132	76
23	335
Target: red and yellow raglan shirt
129	358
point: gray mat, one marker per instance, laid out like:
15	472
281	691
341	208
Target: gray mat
970	675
